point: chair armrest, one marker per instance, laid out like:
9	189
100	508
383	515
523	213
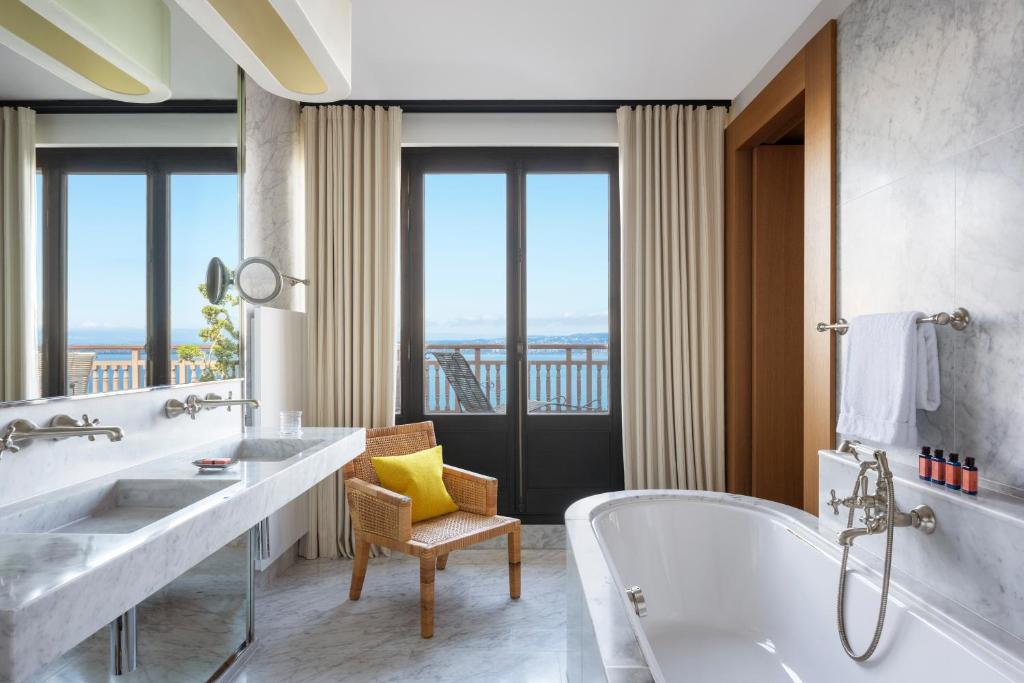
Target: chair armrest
471	492
376	510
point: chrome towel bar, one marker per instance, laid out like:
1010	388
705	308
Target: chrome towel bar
958	320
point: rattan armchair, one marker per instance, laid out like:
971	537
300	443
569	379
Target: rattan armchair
384	517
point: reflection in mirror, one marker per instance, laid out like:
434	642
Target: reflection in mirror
257	280
111	213
218	279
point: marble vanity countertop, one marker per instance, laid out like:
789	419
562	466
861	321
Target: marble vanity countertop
56	589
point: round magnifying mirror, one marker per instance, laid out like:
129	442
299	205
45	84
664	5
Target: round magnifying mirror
258	280
218	279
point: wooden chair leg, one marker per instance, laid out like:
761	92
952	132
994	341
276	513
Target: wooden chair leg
427	564
442	562
514	565
359	568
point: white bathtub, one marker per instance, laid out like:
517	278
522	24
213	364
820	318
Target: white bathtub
740	589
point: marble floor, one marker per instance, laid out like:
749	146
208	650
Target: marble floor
309	631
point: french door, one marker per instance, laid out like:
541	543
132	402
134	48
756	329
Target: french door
510	313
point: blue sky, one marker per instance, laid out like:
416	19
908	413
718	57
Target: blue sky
567	252
465	245
107	248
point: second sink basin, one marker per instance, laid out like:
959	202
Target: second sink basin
118	507
270	450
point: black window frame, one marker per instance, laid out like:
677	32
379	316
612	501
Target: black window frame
157	164
516	495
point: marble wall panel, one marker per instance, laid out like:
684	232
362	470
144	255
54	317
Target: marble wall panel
931	167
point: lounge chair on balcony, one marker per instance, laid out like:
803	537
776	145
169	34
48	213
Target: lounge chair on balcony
80	365
471	396
460	378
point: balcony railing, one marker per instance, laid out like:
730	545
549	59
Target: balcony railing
123	366
560	377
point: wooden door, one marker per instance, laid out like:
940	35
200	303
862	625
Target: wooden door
778	318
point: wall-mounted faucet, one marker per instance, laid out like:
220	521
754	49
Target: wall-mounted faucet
880	516
193	404
18	433
876	507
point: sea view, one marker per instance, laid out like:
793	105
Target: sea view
570	370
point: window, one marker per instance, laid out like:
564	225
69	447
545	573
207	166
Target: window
125	235
510	317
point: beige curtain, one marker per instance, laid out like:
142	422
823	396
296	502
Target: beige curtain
672	173
352	159
19	375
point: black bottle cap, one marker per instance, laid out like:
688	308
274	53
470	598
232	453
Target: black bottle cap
926	450
969	461
939	452
954	457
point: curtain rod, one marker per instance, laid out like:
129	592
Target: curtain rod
113	107
519	106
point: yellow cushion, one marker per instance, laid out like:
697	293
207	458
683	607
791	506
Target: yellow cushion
417	475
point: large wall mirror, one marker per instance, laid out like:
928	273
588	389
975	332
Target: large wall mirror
126	203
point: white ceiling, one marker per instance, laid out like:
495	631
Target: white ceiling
507	49
565	49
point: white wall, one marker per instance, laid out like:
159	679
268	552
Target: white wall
509	130
136	130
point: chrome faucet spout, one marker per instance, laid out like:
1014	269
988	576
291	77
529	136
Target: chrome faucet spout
193	404
847	536
19	433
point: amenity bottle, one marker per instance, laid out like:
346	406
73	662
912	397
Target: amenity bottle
924	464
939	467
969	485
953	472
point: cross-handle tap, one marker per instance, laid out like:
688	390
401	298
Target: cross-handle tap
879	514
7	441
17	433
68	421
193	404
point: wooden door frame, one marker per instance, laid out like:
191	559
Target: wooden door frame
805	90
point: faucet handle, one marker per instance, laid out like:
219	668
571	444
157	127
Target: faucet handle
7	442
835	502
86	422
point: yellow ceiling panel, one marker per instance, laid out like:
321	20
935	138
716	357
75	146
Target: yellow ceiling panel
264	32
49	39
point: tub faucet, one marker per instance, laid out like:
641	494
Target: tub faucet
880	516
876	517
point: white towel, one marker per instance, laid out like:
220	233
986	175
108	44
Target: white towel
891	371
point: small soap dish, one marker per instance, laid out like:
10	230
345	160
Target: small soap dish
212	467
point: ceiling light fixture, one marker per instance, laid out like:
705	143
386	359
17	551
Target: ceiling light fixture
109	48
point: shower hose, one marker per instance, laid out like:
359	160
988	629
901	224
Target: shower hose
890	513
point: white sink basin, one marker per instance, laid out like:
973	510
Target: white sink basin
118	507
268	450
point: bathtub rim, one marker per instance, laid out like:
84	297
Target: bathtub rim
623	650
